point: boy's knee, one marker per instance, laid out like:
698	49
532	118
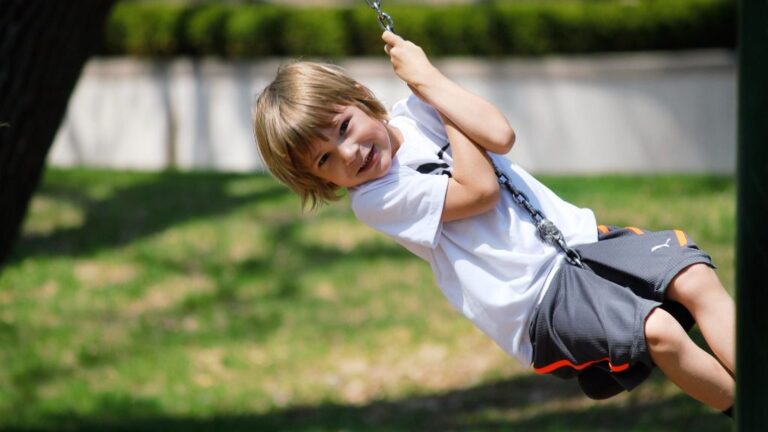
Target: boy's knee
663	334
693	283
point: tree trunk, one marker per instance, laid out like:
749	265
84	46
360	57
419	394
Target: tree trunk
43	47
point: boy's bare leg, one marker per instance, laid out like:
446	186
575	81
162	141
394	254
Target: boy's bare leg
691	368
699	289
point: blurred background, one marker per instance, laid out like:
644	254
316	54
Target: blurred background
162	280
647	85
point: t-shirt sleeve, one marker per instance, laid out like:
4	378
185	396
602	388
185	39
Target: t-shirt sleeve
427	119
407	205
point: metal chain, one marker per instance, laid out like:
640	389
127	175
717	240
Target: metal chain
385	21
547	229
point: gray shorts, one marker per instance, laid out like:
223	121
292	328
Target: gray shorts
591	322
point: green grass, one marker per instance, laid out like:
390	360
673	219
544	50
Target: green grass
169	301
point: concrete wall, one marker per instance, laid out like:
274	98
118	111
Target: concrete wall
648	112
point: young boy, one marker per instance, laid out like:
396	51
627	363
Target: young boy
427	177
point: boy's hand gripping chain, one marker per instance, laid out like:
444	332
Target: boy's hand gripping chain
548	231
385	21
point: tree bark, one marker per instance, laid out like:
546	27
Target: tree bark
43	47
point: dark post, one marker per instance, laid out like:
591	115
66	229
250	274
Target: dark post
43	46
752	226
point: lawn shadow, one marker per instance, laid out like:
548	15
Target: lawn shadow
149	206
522	403
140	209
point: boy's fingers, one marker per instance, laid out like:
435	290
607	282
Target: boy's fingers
390	38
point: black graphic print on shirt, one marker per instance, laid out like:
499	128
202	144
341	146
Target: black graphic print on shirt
437	168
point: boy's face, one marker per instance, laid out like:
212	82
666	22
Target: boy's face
359	149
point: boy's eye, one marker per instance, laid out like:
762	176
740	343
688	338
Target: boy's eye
323	159
343	127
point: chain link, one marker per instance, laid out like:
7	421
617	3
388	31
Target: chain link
385	21
548	231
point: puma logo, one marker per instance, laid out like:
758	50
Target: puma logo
663	245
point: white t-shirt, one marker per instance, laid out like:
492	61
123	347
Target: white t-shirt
493	267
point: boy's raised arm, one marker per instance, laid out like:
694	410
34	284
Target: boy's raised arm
473	189
478	119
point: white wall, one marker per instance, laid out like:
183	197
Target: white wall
648	112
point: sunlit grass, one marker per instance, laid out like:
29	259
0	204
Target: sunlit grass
209	301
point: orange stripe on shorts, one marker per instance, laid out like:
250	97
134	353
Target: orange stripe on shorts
635	230
603	229
567	363
681	238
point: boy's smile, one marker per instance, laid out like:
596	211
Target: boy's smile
358	149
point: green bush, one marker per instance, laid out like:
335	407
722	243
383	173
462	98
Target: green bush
454	31
314	32
362	31
204	32
247	30
144	29
519	29
251	32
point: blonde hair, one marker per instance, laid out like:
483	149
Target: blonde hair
293	110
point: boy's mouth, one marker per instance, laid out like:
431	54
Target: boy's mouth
367	161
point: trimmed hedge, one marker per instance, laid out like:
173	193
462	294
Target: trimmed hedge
250	30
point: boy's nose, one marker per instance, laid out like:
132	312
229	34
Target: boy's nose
348	151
